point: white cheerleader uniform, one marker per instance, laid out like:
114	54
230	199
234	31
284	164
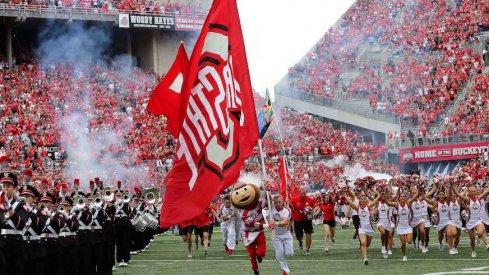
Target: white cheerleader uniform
393	211
384	216
403	218
474	209
365	221
484	216
424	210
444	219
417	210
455	214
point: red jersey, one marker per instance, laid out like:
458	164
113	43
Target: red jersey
328	211
297	204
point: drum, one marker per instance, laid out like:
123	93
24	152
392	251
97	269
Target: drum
139	222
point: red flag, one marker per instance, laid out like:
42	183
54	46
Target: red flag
217	117
165	99
282	169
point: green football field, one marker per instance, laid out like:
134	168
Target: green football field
168	255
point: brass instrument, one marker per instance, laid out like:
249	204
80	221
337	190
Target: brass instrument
108	194
97	201
80	201
126	198
61	208
150	195
42	206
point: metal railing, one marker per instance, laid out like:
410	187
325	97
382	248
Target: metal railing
406	142
22	8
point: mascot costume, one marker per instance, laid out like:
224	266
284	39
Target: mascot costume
247	198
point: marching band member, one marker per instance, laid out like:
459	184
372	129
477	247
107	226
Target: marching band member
68	237
84	218
34	248
227	215
122	228
282	238
50	234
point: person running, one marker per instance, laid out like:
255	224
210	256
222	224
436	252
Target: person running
282	238
384	224
301	205
227	216
418	220
365	229
443	222
472	205
455	215
327	205
404	229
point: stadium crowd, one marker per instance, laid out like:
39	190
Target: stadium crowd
38	103
430	57
109	6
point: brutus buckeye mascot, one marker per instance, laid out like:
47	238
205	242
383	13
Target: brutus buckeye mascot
247	198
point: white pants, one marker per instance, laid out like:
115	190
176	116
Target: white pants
283	247
229	234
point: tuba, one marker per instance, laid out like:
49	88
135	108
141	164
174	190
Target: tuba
42	206
108	194
61	208
150	195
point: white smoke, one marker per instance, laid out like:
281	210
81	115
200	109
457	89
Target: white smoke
92	151
357	171
336	161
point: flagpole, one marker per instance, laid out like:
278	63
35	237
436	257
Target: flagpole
264	171
285	161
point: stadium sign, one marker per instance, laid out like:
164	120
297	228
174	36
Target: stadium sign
132	21
442	152
185	23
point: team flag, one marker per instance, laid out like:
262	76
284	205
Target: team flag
266	115
165	99
217	118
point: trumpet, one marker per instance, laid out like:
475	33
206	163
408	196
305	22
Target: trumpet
108	194
151	195
42	206
126	198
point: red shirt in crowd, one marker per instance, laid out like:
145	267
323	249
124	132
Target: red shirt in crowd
298	203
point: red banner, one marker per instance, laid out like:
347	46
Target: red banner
186	23
217	118
442	152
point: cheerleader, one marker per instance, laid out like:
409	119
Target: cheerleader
472	205
484	215
384	224
365	229
326	205
404	229
455	210
444	223
418	220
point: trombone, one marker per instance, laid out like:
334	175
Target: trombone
151	195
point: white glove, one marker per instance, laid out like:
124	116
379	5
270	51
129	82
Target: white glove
6	200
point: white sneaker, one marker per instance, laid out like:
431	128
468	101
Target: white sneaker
326	249
451	251
389	252
383	250
189	255
121	264
404	258
440	246
385	255
426	248
455	250
474	254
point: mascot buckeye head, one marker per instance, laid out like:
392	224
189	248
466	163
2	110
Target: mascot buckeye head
245	196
